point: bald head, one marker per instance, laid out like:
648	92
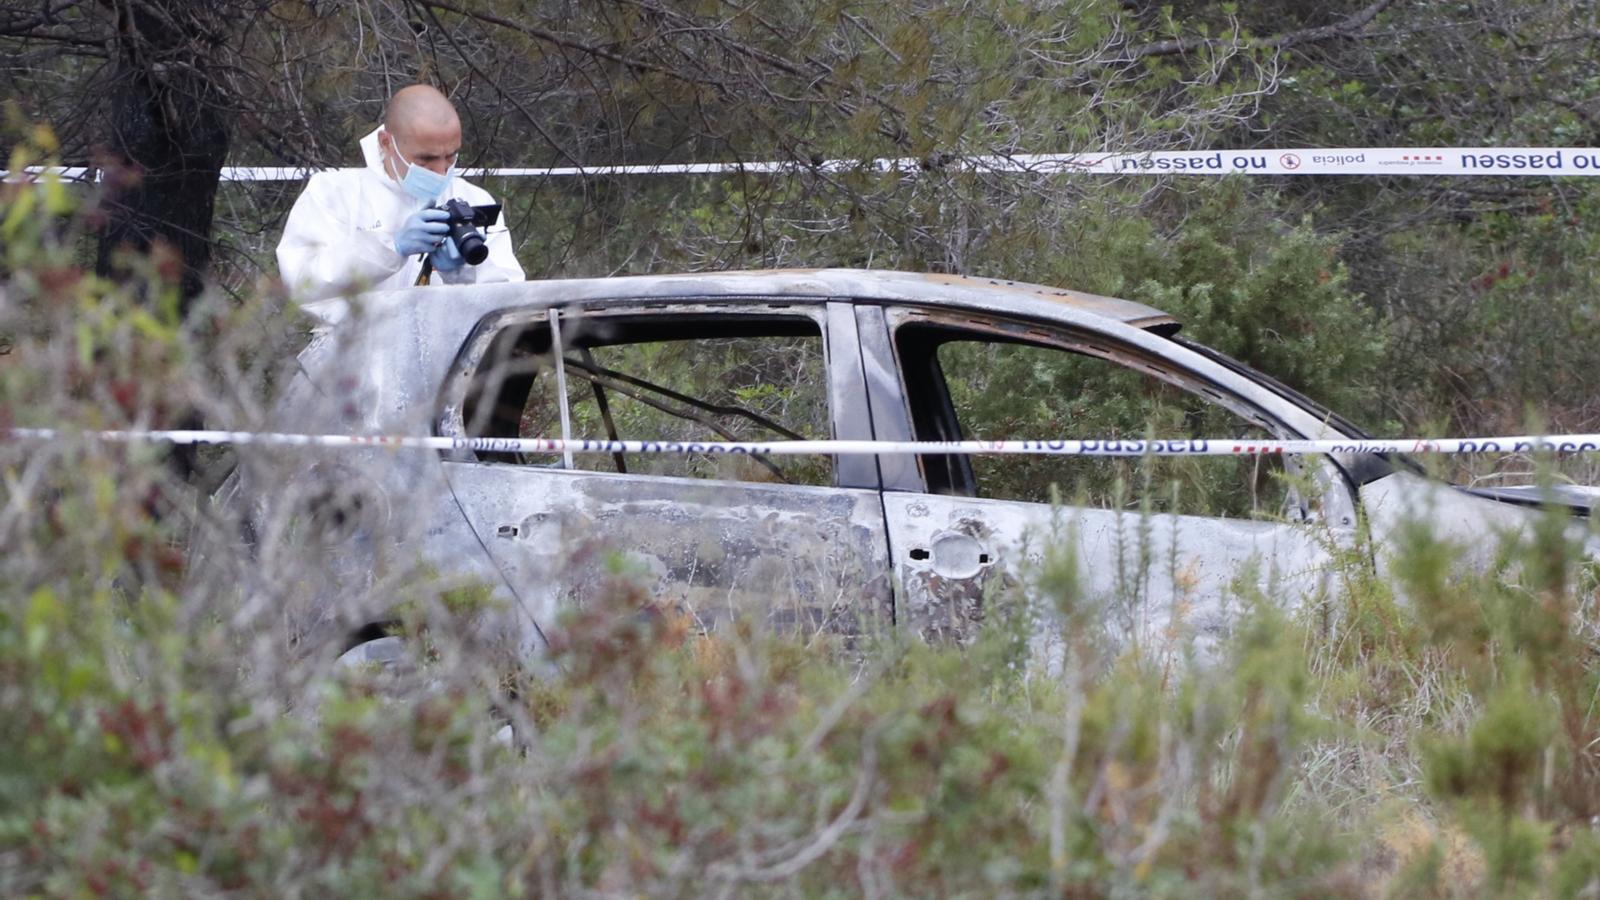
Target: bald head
420	127
420	106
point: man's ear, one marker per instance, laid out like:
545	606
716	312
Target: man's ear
387	153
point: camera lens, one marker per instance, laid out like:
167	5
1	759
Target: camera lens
470	242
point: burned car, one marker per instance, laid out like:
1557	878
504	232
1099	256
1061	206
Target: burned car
843	543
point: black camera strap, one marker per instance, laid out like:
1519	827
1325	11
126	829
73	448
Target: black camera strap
426	273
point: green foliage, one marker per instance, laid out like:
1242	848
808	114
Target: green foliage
1498	762
1271	294
1578	870
1428	730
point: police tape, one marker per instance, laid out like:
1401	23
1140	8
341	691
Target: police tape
1569	443
1580	161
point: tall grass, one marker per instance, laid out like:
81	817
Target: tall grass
171	729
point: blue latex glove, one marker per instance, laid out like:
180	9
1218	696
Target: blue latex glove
446	258
422	232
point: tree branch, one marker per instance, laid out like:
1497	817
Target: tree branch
70	40
551	37
821	72
48	15
1348	27
495	85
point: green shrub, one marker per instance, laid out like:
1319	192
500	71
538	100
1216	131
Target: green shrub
169	734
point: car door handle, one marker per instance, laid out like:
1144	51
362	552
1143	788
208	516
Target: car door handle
953	555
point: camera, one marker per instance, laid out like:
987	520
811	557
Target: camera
464	222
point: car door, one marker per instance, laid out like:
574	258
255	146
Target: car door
1163	547
795	542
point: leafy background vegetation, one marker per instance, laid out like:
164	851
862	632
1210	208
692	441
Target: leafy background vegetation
168	734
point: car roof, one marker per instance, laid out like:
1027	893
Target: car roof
995	290
870	285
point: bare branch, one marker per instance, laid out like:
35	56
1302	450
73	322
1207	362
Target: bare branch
552	38
1349	27
71	40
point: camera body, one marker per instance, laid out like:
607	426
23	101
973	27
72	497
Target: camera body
464	222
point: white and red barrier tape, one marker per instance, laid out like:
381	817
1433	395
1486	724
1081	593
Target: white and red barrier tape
1582	161
1564	443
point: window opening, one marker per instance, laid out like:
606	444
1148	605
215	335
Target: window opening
601	375
604	407
992	385
625	385
686	378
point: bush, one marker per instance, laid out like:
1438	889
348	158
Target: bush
168	732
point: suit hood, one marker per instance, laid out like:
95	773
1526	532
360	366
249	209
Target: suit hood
372	157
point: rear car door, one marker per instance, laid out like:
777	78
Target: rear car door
1164	547
794	542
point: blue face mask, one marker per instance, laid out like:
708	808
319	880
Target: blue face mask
424	184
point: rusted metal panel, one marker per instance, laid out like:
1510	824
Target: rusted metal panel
342	532
1474	525
796	557
1155	578
812	559
1128	312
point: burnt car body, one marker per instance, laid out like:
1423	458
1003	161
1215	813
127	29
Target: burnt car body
840	544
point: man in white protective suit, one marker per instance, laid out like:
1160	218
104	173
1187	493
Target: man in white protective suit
373	228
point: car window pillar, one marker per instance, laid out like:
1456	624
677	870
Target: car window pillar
886	400
558	351
849	405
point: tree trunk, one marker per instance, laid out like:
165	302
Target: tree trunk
168	126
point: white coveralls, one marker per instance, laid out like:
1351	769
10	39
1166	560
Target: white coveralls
340	237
